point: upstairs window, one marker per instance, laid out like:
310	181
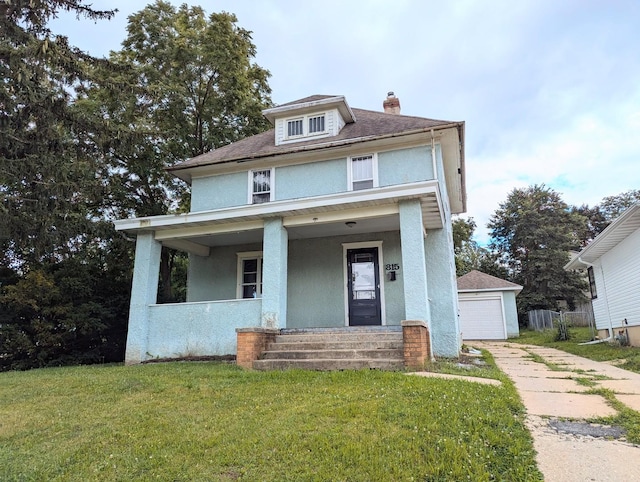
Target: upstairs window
260	186
295	128
250	275
592	283
311	125
316	124
363	173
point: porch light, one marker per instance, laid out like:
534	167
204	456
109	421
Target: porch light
350	224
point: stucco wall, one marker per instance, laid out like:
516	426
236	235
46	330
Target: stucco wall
316	280
405	165
441	273
222	191
310	179
195	329
215	277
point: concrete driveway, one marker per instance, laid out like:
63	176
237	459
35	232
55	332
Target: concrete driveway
554	390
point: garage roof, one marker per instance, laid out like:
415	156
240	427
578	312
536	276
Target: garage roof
478	281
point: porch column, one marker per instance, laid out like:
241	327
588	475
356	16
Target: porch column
416	298
144	292
274	277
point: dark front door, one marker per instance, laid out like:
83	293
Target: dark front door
363	280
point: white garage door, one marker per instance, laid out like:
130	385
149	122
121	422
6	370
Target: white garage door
481	319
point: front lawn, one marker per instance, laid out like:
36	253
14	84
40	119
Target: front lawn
215	422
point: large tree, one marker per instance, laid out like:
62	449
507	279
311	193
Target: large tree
533	232
46	175
186	84
469	255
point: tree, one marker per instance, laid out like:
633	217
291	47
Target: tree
533	232
46	175
613	206
186	85
469	255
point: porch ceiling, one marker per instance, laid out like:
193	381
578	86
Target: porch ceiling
374	210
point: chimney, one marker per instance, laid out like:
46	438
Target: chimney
391	104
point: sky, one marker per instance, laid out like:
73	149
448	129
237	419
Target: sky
549	89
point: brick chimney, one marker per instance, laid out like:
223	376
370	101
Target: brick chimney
391	104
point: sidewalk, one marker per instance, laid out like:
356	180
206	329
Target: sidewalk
569	448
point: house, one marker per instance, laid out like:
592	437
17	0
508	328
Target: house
336	217
613	270
487	307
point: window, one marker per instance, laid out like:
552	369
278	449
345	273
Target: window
363	173
250	275
306	126
294	128
592	283
260	186
316	124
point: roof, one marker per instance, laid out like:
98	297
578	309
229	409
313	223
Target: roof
370	125
623	226
478	281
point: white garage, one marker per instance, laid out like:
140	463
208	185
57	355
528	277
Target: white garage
487	307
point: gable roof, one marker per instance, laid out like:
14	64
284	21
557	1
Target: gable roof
478	281
624	225
370	125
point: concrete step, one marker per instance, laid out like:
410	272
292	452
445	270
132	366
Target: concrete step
342	337
276	353
329	364
339	345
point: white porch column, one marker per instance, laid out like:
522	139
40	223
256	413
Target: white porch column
144	292
416	298
274	277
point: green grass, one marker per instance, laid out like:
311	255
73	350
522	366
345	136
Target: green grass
629	356
215	422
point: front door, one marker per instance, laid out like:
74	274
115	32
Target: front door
363	287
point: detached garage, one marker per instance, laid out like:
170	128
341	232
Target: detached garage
487	307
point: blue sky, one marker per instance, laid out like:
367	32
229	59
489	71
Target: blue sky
549	89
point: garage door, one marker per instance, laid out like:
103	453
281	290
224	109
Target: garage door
481	319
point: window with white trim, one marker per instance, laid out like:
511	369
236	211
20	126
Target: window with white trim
363	172
309	125
260	186
249	275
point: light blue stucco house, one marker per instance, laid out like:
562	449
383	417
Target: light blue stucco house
336	217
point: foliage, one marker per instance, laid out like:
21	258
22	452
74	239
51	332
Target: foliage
533	232
203	421
67	313
186	84
469	255
46	174
613	206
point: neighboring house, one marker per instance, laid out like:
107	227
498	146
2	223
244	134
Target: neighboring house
613	271
487	307
336	217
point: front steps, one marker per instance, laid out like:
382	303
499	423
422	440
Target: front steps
348	348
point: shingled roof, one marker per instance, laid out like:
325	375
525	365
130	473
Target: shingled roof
369	125
478	281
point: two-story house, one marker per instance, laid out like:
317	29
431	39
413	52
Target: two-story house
336	217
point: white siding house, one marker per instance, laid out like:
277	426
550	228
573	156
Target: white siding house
613	266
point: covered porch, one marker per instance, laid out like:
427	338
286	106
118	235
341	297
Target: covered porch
284	233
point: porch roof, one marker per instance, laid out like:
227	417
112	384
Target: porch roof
193	231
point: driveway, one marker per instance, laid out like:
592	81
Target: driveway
554	388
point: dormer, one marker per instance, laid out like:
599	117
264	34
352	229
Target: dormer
310	118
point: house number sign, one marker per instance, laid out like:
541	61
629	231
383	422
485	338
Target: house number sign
391	267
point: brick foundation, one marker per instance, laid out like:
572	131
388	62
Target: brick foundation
417	343
251	343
